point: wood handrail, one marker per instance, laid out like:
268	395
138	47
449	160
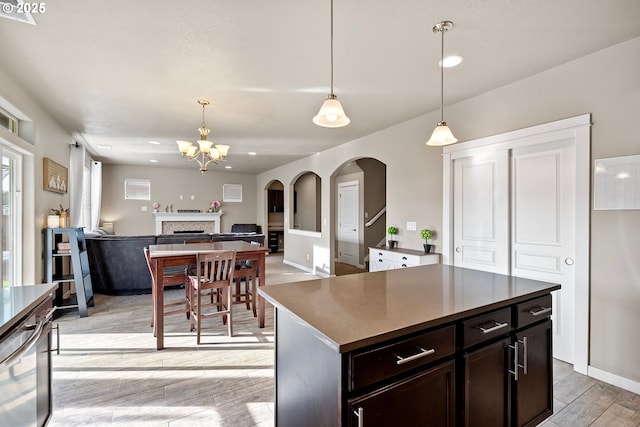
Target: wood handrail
376	217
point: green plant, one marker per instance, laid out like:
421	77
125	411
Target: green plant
392	230
59	211
425	234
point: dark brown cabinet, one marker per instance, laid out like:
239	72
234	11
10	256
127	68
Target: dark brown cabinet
276	200
509	382
533	391
424	399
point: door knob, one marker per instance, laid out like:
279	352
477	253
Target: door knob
568	261
458	250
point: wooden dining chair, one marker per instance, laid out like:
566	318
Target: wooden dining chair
172	277
214	272
245	278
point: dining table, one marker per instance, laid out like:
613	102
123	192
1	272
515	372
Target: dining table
184	255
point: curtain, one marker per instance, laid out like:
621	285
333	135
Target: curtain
96	193
76	171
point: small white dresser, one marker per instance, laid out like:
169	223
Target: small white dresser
389	259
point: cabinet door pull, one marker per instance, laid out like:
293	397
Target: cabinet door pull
542	310
360	415
422	353
515	361
525	358
493	328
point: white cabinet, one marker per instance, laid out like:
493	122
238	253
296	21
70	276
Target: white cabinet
389	259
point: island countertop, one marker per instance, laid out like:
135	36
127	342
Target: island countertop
357	310
16	302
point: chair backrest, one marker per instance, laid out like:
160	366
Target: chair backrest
148	258
215	266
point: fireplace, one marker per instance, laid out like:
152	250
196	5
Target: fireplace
172	222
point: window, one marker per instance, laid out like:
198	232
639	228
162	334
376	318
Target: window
137	189
10	269
232	193
9	122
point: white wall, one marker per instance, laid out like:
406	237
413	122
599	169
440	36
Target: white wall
605	84
44	138
167	185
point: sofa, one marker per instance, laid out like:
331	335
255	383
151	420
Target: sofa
118	266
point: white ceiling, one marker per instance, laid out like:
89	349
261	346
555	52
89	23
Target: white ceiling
124	73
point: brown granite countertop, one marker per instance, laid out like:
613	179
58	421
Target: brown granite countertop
356	310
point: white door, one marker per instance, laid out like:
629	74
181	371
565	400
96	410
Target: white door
481	212
543	231
348	228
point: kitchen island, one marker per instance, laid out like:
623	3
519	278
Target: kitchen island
428	345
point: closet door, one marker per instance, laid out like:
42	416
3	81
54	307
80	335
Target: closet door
543	232
481	212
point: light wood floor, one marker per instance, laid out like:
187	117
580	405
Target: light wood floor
108	372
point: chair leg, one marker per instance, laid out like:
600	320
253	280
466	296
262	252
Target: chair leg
199	317
253	296
229	307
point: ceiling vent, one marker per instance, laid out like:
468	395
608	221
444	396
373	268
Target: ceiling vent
17	10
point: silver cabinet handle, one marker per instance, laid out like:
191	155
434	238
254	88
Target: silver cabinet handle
422	353
525	351
542	310
516	358
515	361
360	415
493	328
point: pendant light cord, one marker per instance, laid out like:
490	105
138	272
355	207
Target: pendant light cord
442	30
331	47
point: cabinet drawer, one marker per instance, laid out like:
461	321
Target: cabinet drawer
533	311
374	365
487	326
405	260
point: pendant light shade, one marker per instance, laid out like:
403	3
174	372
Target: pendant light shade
331	114
442	135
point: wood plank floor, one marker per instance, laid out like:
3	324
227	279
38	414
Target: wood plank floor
108	372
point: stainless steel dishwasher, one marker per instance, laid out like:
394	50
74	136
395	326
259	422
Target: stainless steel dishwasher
25	370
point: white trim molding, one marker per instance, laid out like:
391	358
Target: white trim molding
616	380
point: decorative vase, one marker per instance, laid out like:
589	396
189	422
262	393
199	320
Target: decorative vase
63	219
392	243
427	248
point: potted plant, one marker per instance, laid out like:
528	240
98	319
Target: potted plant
392	231
426	234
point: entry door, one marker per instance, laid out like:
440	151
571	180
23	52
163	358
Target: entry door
543	231
348	227
481	212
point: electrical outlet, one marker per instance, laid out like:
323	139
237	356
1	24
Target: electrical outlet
193	197
308	257
181	197
411	226
143	208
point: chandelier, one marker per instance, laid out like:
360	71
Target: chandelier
205	152
331	114
442	134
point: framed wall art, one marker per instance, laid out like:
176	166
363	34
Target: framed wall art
55	176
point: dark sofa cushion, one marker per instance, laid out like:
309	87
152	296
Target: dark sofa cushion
118	266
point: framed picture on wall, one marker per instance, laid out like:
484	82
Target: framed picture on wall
55	176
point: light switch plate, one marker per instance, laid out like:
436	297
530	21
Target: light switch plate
411	226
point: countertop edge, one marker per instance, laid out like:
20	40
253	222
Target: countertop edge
47	288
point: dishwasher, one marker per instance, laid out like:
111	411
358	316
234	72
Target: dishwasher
25	370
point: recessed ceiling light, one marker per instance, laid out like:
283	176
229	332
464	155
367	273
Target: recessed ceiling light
252	153
104	146
154	142
451	61
228	167
153	161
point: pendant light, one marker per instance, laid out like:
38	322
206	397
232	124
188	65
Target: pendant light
442	134
331	114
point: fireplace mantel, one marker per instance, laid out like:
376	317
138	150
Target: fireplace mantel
162	217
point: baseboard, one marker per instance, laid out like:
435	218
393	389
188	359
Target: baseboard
306	269
616	380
